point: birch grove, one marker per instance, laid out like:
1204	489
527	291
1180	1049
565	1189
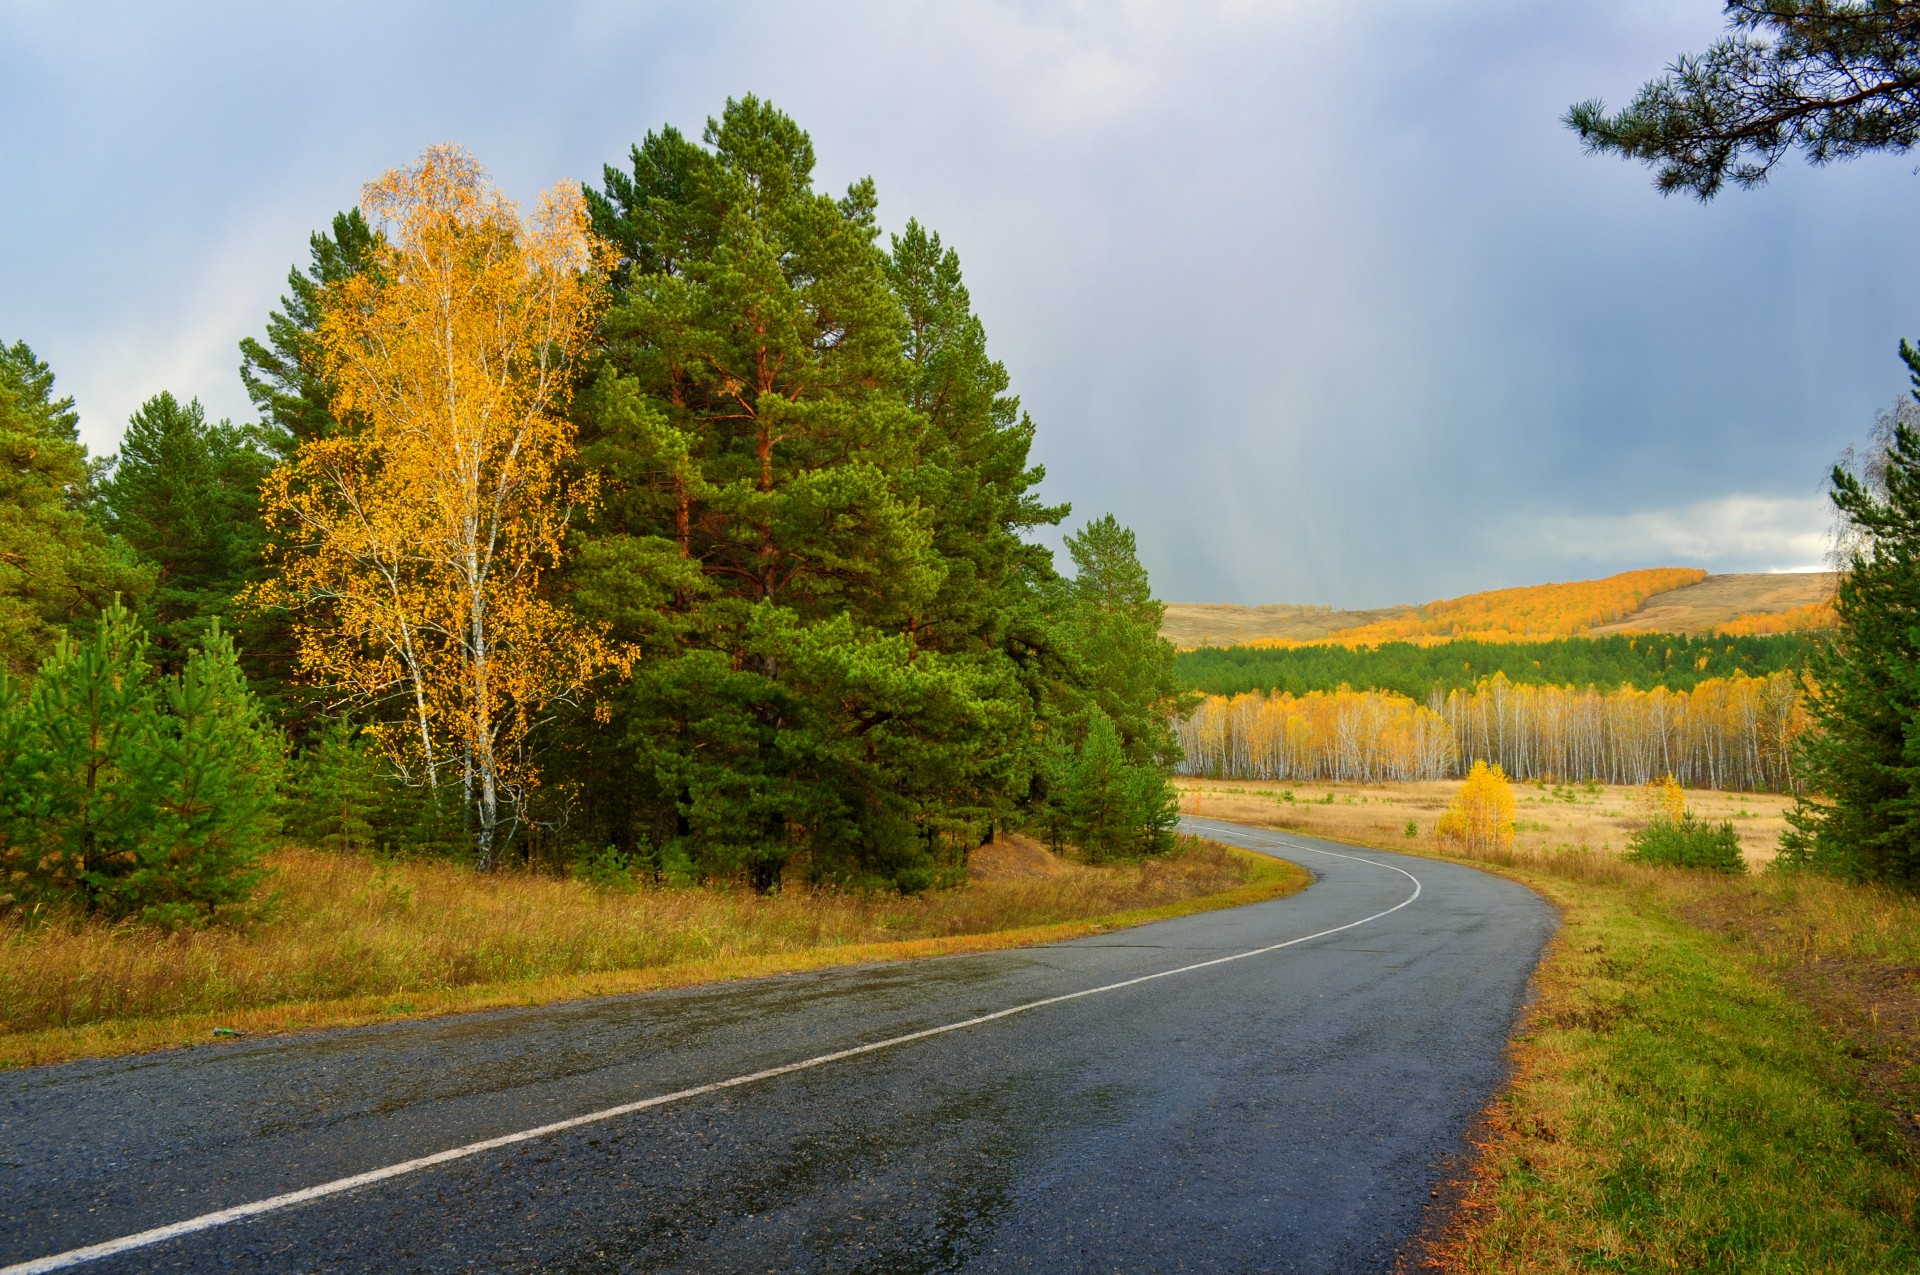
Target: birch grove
1734	732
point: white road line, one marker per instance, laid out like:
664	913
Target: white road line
239	1212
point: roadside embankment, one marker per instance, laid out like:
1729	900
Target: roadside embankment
349	941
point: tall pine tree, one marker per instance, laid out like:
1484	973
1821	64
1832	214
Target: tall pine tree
1861	767
184	494
58	568
282	374
814	486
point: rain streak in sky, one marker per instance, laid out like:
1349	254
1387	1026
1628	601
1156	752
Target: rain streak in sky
1323	301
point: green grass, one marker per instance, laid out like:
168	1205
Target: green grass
1675	1109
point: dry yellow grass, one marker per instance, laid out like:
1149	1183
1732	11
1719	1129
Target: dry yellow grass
1718	602
1594	817
348	941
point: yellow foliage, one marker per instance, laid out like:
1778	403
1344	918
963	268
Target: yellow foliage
1727	732
1517	615
1664	800
412	543
1481	816
1813	616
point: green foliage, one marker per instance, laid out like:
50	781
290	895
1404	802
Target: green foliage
57	568
1834	78
1117	807
1112	625
1644	660
295	402
1687	842
1860	817
605	869
184	495
130	794
815	493
339	791
1108	806
344	796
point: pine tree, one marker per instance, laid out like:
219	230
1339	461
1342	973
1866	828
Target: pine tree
1834	78
184	494
133	796
1861	763
338	789
57	568
283	375
771	530
1112	622
213	788
92	742
1108	806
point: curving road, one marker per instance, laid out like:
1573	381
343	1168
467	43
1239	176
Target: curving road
1270	1088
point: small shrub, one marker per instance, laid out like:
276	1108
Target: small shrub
133	795
1411	831
1480	818
606	869
1687	842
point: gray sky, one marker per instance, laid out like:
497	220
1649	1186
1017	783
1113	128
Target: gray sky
1320	299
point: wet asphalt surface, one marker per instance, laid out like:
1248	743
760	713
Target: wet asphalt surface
1286	1112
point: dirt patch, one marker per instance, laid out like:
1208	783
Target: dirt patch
1700	608
1014	856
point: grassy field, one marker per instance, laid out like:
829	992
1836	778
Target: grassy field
349	941
1718	600
1716	1073
1552	817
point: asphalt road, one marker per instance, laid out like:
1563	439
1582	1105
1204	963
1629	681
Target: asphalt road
1284	1111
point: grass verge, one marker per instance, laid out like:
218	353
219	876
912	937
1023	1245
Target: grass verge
349	942
1675	1107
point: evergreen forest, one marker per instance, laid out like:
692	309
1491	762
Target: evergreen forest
1677	662
684	523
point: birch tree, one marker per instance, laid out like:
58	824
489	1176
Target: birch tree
413	542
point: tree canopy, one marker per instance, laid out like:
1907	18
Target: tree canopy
816	489
1861	817
1677	661
687	520
1831	78
183	493
57	566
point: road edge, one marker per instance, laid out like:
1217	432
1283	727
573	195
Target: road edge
1271	879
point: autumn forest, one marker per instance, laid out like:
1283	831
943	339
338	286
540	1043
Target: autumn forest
679	525
681	529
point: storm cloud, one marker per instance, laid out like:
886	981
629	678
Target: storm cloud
1321	300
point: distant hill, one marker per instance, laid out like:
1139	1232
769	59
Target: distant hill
1731	603
1666	600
